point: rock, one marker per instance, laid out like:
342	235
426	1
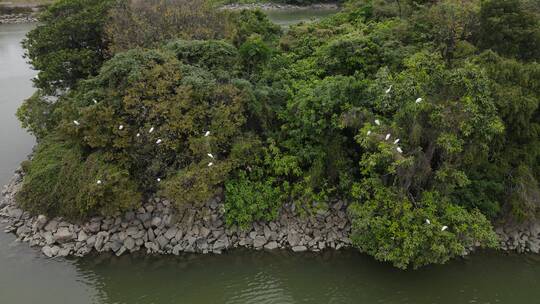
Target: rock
132	230
23	231
259	242
129	243
293	239
82	237
221	244
51	225
101	238
171	233
271	245
204	232
63	235
162	241
93	227
299	248
40	222
50	251
156	221
177	249
121	251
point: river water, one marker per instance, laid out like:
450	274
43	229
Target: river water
237	276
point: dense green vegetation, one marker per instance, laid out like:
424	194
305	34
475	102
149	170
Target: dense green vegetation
423	115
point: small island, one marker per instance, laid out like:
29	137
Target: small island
409	130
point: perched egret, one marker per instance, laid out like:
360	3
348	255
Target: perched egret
151	130
210	164
158	179
95	101
121	127
387	136
76	123
138	134
207	133
368	132
210	155
377	122
388	90
36	77
396	141
99	182
418	100
158	141
428	222
399	150
444	228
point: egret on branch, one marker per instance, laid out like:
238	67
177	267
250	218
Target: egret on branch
388	90
206	133
76	123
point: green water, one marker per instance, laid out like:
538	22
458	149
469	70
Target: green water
237	276
288	18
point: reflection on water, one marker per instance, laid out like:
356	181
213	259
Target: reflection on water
235	277
333	277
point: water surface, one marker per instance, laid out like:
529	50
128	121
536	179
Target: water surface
235	277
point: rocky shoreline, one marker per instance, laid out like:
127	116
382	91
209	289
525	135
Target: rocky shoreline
157	228
18	18
278	6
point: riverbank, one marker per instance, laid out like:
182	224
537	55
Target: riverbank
157	228
18	18
267	6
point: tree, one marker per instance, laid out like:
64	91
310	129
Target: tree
68	44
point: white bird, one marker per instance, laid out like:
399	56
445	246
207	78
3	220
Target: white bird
158	141
418	100
36	77
158	179
444	228
387	136
95	101
210	164
99	182
121	127
428	222
368	132
377	122
138	134
151	130
399	150
76	123
210	155
388	90
396	141
207	133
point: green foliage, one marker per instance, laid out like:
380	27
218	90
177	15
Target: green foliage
248	200
60	180
148	23
37	115
394	229
507	27
249	22
68	44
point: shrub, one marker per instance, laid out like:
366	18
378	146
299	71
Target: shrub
60	180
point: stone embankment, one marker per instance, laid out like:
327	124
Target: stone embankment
157	228
17	18
278	6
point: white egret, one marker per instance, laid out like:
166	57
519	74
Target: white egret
95	101
121	127
210	155
138	134
444	228
207	133
99	182
396	141
388	90
377	122
210	164
158	141
158	179
428	222
368	132
76	123
399	150
36	77
151	130
387	136
418	100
